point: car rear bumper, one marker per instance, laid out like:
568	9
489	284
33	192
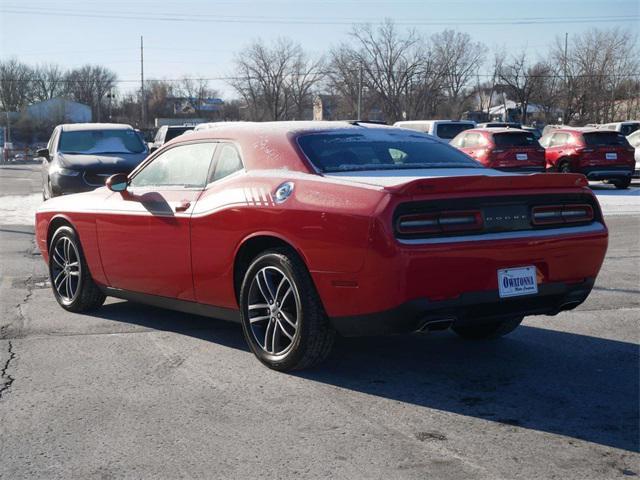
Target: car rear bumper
470	307
606	173
446	269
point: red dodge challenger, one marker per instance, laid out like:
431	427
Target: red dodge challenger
299	230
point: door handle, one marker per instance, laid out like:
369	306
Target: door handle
184	206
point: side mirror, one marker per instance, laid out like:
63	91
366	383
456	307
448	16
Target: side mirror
118	182
43	152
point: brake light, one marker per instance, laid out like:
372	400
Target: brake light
558	214
440	222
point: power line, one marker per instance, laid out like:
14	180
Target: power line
322	72
204	18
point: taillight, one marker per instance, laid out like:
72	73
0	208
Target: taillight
558	214
441	222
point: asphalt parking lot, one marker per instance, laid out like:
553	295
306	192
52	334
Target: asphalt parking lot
137	392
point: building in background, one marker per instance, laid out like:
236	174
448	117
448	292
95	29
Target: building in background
58	110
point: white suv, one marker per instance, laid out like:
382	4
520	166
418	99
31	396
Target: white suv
445	130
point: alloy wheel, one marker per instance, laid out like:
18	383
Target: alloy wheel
65	269
274	310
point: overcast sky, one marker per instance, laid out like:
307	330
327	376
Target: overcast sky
200	37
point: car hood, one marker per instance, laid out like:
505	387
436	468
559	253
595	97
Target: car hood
116	162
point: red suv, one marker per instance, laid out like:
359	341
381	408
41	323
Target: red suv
508	149
597	154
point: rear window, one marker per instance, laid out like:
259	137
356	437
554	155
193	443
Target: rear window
101	141
450	130
515	139
176	132
604	139
627	129
380	149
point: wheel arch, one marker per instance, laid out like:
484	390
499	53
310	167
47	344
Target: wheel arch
55	223
249	249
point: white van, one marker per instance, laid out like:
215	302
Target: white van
443	129
625	128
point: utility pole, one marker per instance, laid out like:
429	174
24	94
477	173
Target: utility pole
142	97
360	93
566	84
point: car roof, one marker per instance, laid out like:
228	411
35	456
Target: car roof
407	122
233	129
580	130
75	127
496	130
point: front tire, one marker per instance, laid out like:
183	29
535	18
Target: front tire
282	316
564	167
71	280
484	331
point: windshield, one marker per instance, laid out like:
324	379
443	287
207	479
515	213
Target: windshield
604	138
101	141
378	149
450	130
515	139
175	132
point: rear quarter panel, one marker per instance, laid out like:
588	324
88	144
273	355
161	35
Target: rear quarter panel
326	221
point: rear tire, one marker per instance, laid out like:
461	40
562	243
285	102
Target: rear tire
622	184
71	280
486	331
283	320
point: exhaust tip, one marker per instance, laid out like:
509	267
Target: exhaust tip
434	325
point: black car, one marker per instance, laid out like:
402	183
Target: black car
168	132
80	157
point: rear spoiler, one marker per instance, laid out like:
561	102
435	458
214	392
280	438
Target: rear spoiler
478	183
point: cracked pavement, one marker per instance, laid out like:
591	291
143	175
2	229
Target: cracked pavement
137	392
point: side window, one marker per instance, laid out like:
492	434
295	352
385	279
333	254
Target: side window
544	141
181	166
160	134
227	161
458	141
559	139
472	140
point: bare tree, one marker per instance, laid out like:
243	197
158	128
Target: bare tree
459	59
197	91
393	65
158	93
90	85
595	69
275	81
15	84
522	80
48	82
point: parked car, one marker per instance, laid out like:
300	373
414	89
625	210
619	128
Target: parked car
549	128
634	141
536	131
299	230
502	148
168	132
598	154
625	128
499	125
81	156
443	129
